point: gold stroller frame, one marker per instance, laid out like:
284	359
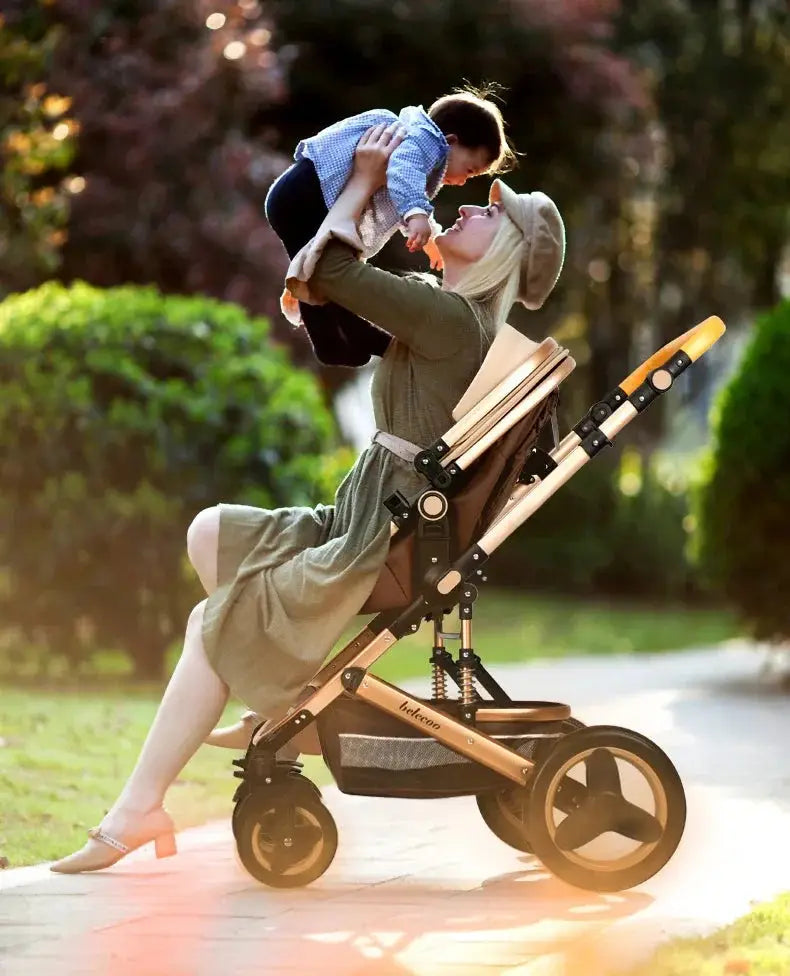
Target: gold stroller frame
445	586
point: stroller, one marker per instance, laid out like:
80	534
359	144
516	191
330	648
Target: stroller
544	782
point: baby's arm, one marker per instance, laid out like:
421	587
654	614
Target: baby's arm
407	175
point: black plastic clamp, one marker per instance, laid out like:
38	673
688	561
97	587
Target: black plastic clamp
428	464
599	411
398	504
351	678
539	463
594	442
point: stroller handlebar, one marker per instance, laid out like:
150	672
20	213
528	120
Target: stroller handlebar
693	343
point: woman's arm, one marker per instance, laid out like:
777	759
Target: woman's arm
430	321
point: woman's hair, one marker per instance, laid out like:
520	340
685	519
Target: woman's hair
469	114
492	281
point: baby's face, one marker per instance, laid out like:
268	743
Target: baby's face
462	163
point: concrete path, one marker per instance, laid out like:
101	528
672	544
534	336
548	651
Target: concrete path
423	889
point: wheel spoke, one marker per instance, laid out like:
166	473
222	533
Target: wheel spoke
586	823
635	823
602	813
602	773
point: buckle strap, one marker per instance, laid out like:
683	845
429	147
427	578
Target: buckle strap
398	446
98	834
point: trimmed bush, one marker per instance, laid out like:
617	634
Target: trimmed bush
123	413
744	500
615	529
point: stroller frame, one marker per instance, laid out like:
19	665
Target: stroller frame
445	584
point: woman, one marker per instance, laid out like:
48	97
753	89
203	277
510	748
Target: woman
283	584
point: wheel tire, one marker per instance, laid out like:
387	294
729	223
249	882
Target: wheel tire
505	812
499	811
293	777
234	817
312	845
565	864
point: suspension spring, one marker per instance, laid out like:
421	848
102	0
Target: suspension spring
438	682
468	693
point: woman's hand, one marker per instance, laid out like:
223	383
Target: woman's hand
373	152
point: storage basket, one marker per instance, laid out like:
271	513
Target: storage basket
372	753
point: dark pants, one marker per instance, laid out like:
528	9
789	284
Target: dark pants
295	209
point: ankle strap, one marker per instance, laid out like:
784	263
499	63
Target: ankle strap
98	834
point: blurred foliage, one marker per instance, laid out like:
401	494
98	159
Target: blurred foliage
661	129
744	500
616	527
721	84
174	185
37	138
122	414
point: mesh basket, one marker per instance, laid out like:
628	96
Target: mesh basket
372	753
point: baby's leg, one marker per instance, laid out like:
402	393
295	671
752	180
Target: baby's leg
295	209
341	338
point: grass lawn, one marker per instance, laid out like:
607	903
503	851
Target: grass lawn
756	945
65	751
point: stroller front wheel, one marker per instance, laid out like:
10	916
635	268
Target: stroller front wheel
285	836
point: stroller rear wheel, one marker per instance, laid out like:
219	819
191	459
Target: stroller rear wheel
606	809
285	836
505	812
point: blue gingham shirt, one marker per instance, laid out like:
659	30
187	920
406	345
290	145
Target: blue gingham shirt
414	173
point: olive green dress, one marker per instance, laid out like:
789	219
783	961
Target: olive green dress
291	579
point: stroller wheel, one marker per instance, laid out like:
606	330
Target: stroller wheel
505	814
293	776
606	809
284	834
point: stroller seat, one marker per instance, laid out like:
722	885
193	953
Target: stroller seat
509	401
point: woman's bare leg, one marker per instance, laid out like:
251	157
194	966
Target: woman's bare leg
193	702
203	546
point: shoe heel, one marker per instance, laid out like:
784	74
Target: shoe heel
165	845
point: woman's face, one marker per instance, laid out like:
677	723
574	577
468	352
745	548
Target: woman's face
471	235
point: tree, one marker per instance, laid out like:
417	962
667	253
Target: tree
37	135
721	81
174	184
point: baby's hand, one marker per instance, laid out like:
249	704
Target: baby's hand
419	228
432	252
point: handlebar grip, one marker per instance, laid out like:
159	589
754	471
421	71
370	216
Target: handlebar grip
693	343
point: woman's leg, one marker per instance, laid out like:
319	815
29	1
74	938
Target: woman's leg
203	546
193	702
194	699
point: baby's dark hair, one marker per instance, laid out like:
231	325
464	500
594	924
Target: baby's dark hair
470	114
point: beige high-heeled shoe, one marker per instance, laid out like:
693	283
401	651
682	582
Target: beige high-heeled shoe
103	850
236	736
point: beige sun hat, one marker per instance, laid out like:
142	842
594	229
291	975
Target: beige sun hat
539	220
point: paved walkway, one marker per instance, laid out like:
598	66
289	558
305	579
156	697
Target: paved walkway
423	889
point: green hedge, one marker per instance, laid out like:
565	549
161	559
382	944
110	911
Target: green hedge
618	528
744	500
123	413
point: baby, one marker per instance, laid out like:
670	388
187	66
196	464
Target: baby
461	135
